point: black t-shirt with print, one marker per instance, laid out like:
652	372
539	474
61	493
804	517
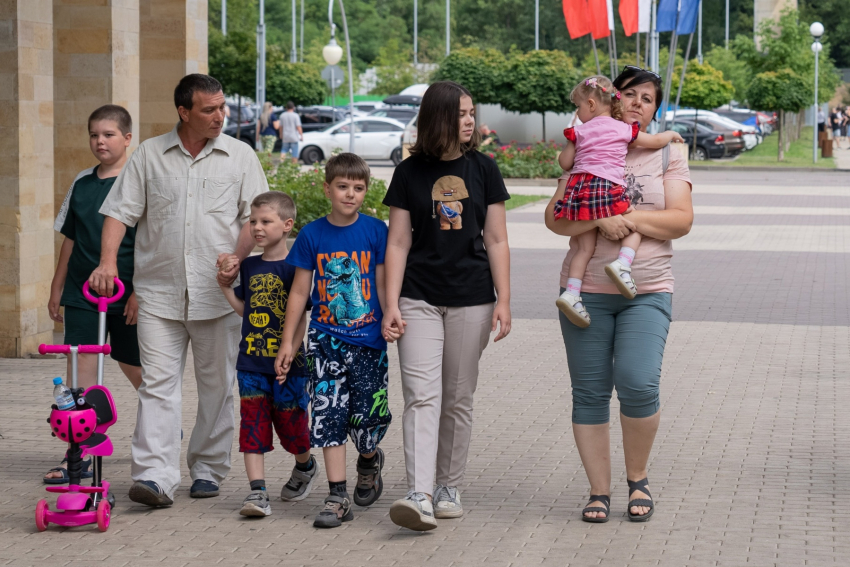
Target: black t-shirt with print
447	265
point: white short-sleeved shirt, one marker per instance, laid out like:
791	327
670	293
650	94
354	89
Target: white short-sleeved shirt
188	211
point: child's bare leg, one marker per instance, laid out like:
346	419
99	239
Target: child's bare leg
570	301
133	374
335	463
254	466
586	242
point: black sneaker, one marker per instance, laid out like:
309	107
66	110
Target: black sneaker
336	511
149	493
370	484
202	488
300	483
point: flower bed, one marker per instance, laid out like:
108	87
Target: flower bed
538	161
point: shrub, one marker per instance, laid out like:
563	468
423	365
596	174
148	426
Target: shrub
307	190
539	161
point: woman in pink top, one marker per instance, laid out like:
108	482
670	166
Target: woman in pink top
624	347
596	154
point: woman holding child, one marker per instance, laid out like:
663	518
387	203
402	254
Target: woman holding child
446	251
624	345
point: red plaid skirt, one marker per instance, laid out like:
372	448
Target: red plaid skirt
588	197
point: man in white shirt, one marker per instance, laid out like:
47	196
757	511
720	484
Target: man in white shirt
189	194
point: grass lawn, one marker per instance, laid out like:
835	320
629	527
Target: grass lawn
765	155
520	200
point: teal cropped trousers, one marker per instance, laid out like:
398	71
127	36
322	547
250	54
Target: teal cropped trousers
622	349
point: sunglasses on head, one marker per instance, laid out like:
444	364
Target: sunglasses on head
635	68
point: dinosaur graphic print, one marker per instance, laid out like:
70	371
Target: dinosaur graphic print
348	307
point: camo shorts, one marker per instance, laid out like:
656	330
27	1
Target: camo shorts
349	385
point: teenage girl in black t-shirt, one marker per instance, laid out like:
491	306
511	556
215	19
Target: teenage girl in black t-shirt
447	250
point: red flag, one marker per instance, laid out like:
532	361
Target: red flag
597	11
629	16
575	14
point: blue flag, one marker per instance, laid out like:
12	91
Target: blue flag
687	16
666	15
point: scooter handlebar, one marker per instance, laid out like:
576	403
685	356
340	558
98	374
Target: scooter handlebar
103	301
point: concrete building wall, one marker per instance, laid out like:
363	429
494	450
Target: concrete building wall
770	10
26	174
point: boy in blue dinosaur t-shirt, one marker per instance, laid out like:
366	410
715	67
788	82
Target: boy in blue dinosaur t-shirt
346	353
268	400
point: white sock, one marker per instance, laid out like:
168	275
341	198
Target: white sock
627	256
574	286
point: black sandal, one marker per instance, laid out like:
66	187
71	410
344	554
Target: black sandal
597	499
640	485
87	473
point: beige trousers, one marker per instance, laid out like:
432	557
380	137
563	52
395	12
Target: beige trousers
163	348
438	355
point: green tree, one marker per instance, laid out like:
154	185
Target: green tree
298	82
395	71
479	70
539	81
704	87
781	91
733	69
233	61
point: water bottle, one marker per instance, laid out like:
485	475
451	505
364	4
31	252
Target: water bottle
64	398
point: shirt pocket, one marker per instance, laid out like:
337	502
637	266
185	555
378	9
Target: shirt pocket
220	194
162	197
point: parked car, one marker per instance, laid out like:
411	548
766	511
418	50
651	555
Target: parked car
751	136
711	144
374	138
735	142
319	117
400	113
247	133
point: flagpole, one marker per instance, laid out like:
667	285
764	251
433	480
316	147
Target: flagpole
616	63
637	49
610	57
699	33
653	34
536	25
727	24
671	62
595	54
682	78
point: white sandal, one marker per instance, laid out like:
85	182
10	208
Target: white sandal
626	287
572	306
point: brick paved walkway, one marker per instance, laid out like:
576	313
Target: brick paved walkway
751	465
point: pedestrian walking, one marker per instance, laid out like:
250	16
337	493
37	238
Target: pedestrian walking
835	124
269	128
447	249
624	347
188	193
291	132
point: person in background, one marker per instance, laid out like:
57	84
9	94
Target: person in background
290	132
488	137
269	127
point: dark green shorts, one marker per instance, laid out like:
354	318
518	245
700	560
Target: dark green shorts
81	329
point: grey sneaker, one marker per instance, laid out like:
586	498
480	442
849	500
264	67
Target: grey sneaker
300	483
256	504
370	485
413	512
336	511
447	502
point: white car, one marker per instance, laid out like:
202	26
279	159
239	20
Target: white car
748	133
374	138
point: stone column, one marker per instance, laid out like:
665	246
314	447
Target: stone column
173	44
96	62
26	174
769	9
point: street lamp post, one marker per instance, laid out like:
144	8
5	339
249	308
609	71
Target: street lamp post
448	26
415	32
536	25
224	17
261	68
332	54
293	56
816	29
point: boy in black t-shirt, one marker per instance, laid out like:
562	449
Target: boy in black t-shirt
110	132
267	401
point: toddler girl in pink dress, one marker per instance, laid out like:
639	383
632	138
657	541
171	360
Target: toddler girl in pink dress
596	155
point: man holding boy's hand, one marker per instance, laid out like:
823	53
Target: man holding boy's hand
189	194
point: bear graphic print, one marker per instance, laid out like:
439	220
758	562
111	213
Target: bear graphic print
447	194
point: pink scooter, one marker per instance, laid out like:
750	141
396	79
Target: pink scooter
84	429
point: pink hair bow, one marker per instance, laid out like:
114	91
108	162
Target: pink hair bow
616	95
591	83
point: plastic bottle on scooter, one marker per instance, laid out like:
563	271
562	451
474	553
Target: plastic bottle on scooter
64	397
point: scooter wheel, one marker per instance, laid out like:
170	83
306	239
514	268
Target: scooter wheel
41	510
103	513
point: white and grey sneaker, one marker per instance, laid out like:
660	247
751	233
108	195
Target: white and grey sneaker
413	512
300	483
256	504
447	502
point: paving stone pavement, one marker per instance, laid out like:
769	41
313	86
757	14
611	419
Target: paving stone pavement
751	465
